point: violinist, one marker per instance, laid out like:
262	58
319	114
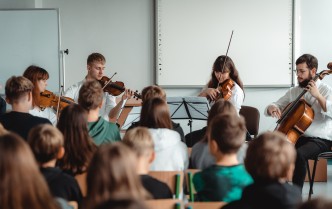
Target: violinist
317	138
223	69
95	70
39	76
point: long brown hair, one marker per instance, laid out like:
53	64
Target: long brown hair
21	183
112	175
78	144
155	114
35	74
229	65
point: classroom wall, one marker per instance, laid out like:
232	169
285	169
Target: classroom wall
123	30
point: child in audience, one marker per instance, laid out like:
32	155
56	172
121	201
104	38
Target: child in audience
112	175
171	152
18	92
140	140
46	143
156	91
270	161
316	203
78	144
21	184
201	157
225	180
91	99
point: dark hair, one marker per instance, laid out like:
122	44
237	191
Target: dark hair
78	144
22	184
45	141
17	87
90	95
95	57
228	131
123	204
309	59
229	65
155	114
316	203
35	74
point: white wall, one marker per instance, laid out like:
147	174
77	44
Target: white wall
123	30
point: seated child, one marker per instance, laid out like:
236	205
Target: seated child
46	143
225	180
91	99
140	140
270	161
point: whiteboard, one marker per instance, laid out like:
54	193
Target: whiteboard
29	37
313	31
191	34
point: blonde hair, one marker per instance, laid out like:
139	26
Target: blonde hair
140	140
45	141
16	88
112	174
90	95
269	157
153	91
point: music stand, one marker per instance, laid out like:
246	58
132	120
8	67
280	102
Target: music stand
132	116
188	108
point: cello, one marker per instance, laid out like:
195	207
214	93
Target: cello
298	115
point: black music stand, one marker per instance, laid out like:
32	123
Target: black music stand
188	108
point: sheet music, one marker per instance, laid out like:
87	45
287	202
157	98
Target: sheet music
133	116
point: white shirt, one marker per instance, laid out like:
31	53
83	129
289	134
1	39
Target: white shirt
322	123
108	100
47	113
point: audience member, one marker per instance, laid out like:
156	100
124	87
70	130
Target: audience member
171	152
123	204
112	175
201	157
270	161
316	203
3	106
18	92
225	180
91	99
140	140
46	143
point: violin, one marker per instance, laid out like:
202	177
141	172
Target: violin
49	99
225	89
113	88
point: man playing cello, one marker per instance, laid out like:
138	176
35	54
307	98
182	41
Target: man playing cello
318	137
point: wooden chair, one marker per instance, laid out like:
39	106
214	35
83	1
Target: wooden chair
204	205
174	180
164	204
189	173
81	180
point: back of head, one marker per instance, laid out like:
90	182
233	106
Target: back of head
112	174
221	106
78	144
21	183
309	59
269	157
153	91
228	131
122	204
316	203
46	142
95	57
90	95
155	114
17	87
140	140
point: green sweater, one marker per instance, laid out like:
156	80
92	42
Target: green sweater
221	183
103	131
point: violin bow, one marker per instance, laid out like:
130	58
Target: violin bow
229	43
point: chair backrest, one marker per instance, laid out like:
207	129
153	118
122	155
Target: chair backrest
164	204
174	180
189	174
251	116
204	205
81	180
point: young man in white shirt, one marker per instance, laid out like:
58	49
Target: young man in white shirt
318	137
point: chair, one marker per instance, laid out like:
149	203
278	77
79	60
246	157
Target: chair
204	205
174	180
164	204
189	173
323	155
251	116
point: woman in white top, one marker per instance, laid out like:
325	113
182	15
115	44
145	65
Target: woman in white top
223	69
171	152
39	76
